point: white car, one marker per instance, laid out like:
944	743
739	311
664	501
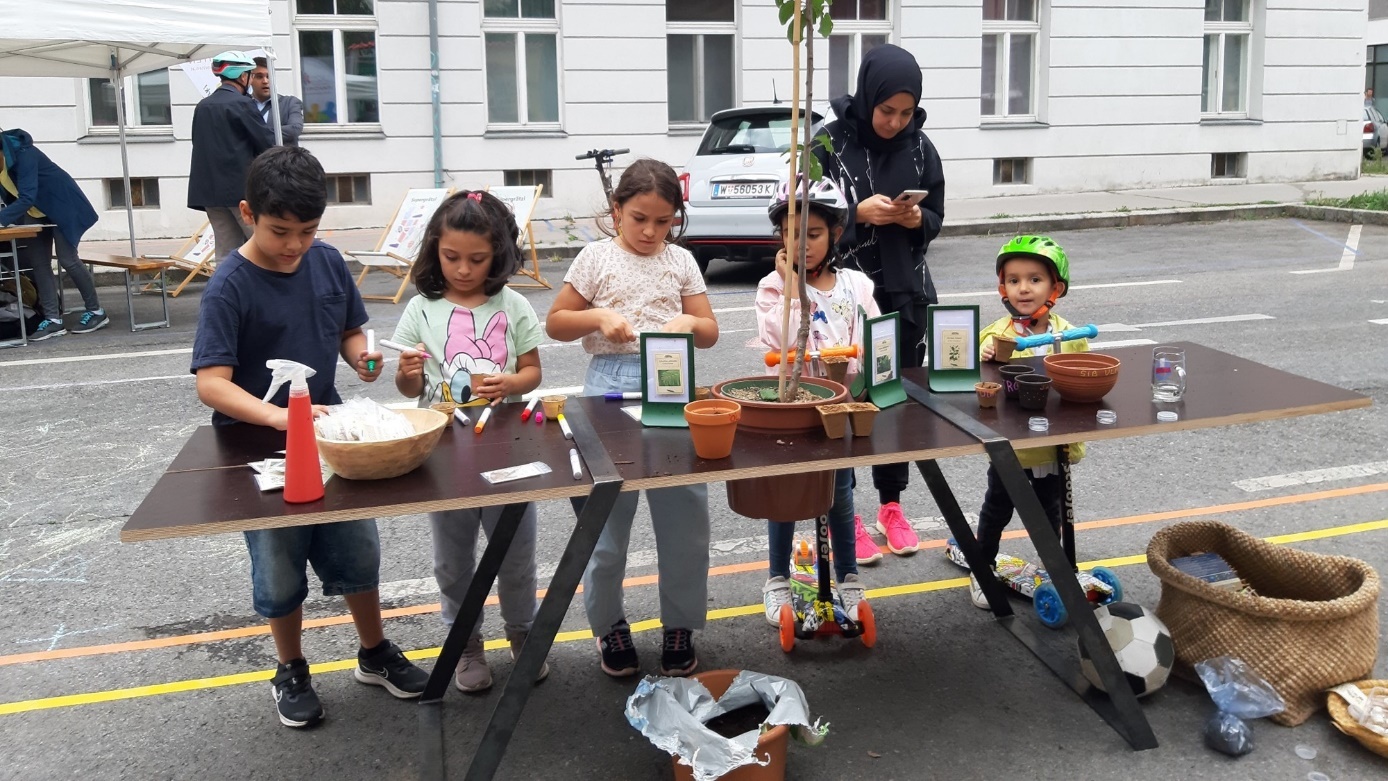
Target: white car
729	181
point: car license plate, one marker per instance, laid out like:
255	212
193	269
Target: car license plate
743	189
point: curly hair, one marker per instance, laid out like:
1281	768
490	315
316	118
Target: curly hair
473	211
649	176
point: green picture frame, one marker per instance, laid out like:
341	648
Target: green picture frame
667	378
952	331
881	361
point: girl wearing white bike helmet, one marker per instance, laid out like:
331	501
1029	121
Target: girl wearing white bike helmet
835	295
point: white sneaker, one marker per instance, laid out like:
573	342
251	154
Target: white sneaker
976	595
851	592
775	593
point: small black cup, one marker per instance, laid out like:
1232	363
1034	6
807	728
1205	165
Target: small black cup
1033	390
1010	373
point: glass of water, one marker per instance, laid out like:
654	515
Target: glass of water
1168	373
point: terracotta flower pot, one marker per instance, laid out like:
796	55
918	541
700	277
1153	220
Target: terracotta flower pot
1010	373
835	420
772	417
863	414
771	744
1033	390
988	394
1082	377
712	425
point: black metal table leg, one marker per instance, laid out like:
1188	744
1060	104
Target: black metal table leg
607	484
1119	708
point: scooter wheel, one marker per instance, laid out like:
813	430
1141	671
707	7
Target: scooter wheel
1109	578
1049	608
869	623
787	628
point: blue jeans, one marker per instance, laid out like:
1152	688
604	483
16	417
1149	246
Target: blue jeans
346	557
679	518
842	534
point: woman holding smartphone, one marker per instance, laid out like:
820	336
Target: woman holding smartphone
881	153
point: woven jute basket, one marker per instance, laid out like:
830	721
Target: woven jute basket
1312	625
391	458
1339	716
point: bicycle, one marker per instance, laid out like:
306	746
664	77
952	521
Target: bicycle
600	158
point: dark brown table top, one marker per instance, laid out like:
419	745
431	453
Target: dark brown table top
208	489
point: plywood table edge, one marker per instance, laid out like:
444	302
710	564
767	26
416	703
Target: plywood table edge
792	468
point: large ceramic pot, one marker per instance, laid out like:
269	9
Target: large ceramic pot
787	497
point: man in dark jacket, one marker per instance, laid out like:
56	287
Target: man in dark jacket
291	108
35	190
228	133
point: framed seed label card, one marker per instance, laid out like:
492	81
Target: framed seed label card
667	378
953	333
881	363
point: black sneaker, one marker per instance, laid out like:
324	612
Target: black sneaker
677	653
295	699
618	652
386	665
91	321
47	330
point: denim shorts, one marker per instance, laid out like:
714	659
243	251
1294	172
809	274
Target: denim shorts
616	373
346	557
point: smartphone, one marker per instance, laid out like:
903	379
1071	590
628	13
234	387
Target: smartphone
911	197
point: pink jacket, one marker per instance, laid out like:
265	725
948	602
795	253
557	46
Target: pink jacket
833	327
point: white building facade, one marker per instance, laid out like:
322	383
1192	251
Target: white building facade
1023	96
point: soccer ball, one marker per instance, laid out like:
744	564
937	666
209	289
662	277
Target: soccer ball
1141	642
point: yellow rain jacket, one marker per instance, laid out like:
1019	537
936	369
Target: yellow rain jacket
1038	456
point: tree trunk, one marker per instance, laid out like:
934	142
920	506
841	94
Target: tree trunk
786	392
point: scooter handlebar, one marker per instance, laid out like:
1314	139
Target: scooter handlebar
1082	332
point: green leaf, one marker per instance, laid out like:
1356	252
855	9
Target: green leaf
826	25
790	33
816	168
825	141
787	11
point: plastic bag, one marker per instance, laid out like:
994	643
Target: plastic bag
363	420
1239	693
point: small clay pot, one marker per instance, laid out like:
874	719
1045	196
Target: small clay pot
702	392
712	426
554	405
1003	348
835	420
1010	373
836	368
863	414
988	394
1033	390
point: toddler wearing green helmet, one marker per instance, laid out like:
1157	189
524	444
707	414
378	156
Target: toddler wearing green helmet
1033	273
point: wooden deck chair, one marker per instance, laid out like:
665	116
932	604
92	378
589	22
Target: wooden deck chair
401	240
197	256
522	200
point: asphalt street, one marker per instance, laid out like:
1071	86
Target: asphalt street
146	661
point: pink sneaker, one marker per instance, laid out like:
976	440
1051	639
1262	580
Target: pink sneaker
901	538
867	550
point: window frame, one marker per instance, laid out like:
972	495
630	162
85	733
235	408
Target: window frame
1002	77
521	26
855	29
699	30
337	24
1245	29
131	96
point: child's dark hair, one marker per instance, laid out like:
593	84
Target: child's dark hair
650	176
834	261
474	212
285	182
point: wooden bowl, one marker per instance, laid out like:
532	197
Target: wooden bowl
1082	377
1342	721
391	458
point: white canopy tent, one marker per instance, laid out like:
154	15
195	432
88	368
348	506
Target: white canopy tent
115	39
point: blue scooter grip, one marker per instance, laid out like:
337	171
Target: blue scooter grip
1082	332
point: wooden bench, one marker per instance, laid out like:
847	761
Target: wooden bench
131	267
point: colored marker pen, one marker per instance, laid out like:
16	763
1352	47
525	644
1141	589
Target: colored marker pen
529	408
463	419
482	421
564	426
622	396
573	462
402	348
539	417
371	348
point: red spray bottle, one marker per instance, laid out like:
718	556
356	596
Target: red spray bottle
303	478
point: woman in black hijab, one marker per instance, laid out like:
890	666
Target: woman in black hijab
880	151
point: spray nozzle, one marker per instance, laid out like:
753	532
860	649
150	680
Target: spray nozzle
296	374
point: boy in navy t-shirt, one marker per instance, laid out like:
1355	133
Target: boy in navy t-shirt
285	295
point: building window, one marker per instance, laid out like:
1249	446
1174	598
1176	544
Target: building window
144	193
522	44
337	61
1376	76
545	178
1228	165
349	188
1011	52
147	105
859	25
701	58
1012	170
1228	35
